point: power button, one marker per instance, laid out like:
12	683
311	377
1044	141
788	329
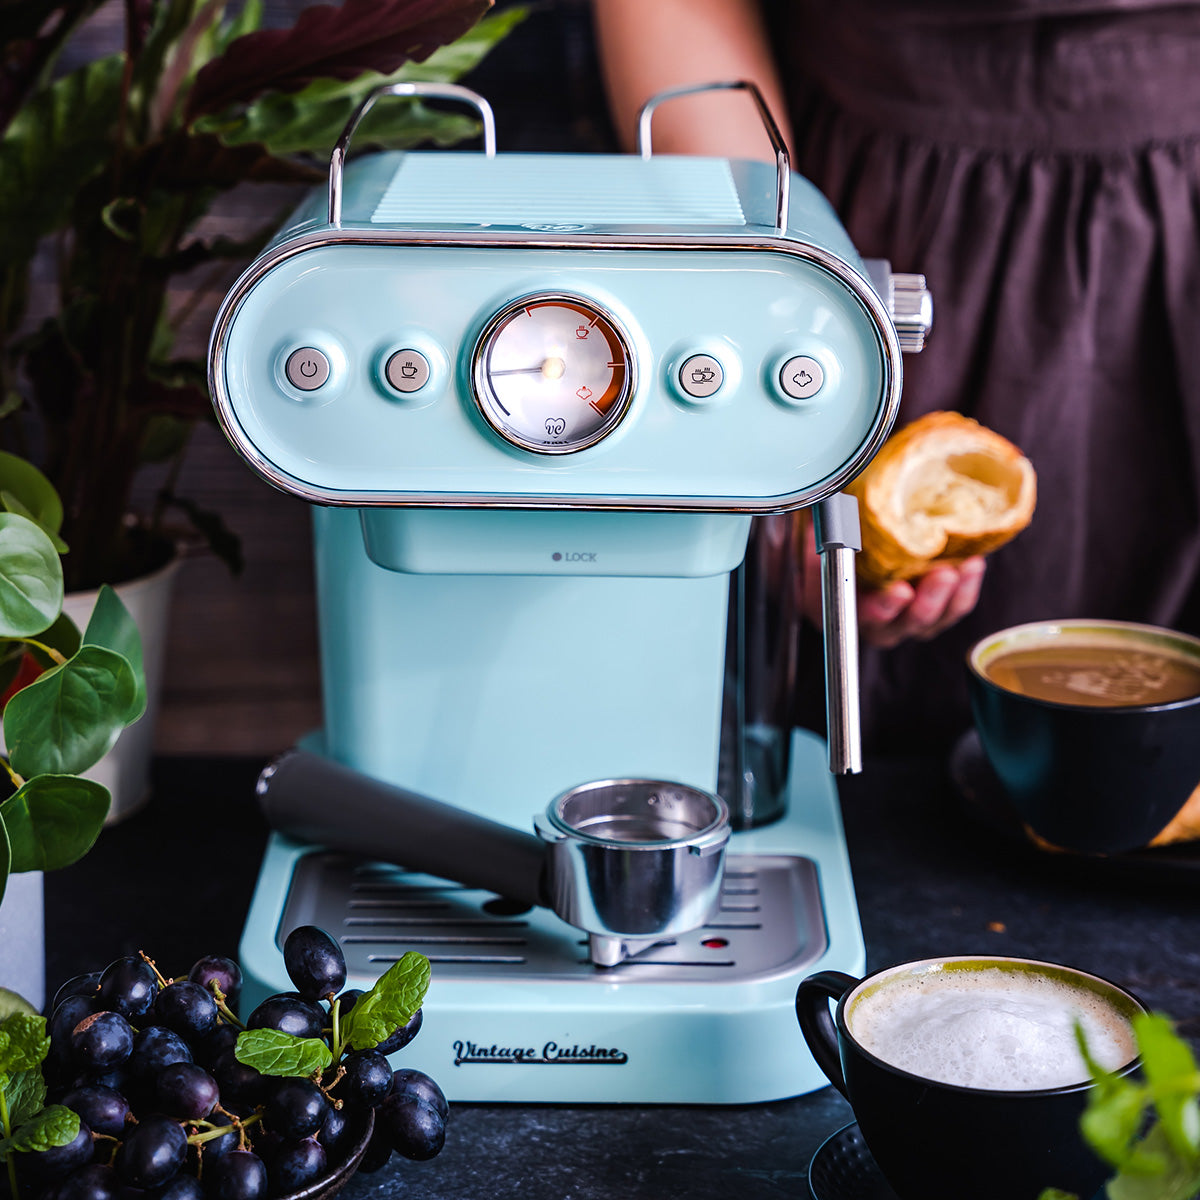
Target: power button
307	369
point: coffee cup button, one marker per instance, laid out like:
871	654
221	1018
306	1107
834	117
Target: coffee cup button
407	370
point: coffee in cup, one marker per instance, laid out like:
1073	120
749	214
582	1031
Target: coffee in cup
964	1073
1092	728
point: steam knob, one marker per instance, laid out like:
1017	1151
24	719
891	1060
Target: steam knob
911	305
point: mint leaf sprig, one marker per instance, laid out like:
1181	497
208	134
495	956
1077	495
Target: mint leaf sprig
1146	1125
24	1123
389	1005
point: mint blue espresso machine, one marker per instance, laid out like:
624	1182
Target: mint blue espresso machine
536	401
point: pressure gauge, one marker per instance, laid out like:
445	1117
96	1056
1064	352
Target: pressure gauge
553	373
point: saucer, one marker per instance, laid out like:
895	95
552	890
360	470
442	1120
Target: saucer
985	800
843	1169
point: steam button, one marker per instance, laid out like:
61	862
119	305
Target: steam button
407	370
701	376
801	377
307	369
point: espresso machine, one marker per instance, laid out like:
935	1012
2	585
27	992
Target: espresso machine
536	402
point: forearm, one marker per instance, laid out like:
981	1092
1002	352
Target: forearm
647	46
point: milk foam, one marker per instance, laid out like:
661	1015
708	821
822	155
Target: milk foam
989	1028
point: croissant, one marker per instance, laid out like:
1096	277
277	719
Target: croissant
942	489
1185	827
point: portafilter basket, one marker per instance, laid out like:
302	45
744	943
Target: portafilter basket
634	860
628	861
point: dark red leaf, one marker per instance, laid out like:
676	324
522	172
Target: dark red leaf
186	161
327	41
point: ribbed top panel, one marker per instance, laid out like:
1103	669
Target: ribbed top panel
537	189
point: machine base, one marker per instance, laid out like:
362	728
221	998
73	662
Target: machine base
515	1011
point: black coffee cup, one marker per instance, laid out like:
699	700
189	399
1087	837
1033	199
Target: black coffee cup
939	1140
1100	764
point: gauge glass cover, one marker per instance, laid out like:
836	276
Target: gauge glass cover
553	373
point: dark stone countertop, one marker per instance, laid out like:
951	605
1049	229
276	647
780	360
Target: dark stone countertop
175	881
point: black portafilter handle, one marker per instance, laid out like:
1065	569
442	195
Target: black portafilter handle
314	799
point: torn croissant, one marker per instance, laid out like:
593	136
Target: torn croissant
1185	827
942	489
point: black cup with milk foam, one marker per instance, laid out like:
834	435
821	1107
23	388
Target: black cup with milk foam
939	1140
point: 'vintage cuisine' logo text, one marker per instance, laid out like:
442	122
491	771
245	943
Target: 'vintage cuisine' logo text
552	1054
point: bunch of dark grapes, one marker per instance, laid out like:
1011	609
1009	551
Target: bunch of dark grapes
168	1112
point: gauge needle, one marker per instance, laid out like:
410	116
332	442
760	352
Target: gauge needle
551	368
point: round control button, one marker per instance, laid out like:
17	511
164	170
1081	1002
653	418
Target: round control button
701	376
801	377
407	370
307	369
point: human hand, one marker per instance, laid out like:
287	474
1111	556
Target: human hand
922	608
889	615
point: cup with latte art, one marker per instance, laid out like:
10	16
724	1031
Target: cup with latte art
1093	730
965	1074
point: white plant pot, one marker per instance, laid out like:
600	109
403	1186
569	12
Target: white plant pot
125	769
23	938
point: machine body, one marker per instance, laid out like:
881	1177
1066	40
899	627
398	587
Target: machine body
536	402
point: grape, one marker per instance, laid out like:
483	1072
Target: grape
379	1150
238	1175
154	1048
210	1047
67	1015
296	1108
77	985
187	1008
101	1041
296	1165
215	1147
186	1091
241	1087
288	1014
44	1166
128	986
368	1078
224	972
334	1133
415	1129
152	1153
411	1082
96	1181
314	962
399	1038
103	1108
182	1187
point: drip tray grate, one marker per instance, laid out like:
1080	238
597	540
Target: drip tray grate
769	922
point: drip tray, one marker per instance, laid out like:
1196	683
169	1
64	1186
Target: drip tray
769	923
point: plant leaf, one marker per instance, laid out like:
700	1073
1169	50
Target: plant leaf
111	627
311	120
32	490
31	582
391	1003
219	538
5	858
1168	1064
57	140
340	42
53	820
25	1093
67	719
11	1002
53	1126
1174	1180
272	1052
24	1043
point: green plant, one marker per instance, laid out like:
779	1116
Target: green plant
1147	1125
110	166
62	715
